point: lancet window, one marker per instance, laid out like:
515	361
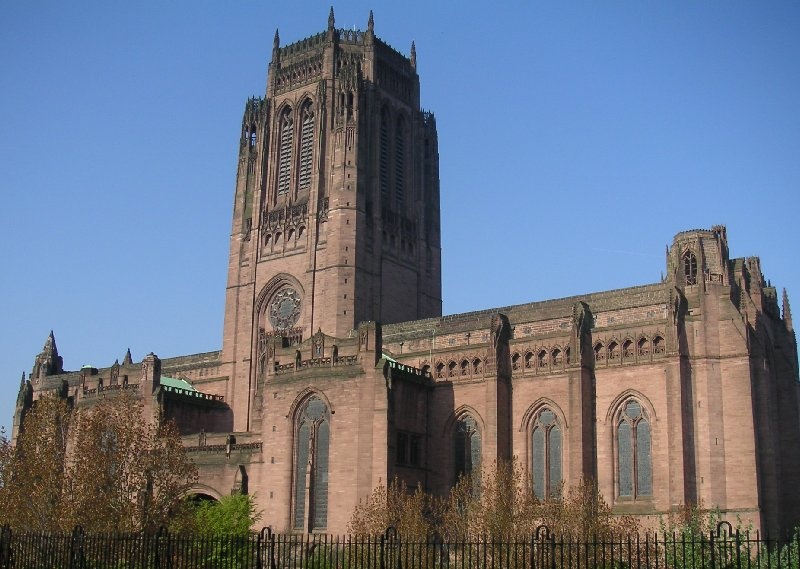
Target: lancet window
634	456
311	452
286	140
690	267
306	146
383	158
399	164
467	447
546	440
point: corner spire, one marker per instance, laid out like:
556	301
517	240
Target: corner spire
331	20
276	46
787	311
371	23
413	55
48	362
127	360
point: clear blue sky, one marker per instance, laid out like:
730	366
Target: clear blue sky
575	140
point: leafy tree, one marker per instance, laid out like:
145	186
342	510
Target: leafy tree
232	515
499	503
125	471
33	473
408	511
108	467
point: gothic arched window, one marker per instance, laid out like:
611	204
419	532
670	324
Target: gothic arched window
400	164
286	141
690	267
634	457
306	146
310	492
546	455
383	158
468	447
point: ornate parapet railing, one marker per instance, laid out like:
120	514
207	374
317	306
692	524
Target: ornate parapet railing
410	370
192	393
316	363
109	388
225	448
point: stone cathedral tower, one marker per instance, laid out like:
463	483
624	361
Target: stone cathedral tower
336	212
337	372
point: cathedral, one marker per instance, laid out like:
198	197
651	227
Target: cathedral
338	372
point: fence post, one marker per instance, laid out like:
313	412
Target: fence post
266	539
157	546
76	548
259	540
5	547
390	533
548	536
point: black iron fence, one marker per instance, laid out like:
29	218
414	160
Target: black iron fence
721	549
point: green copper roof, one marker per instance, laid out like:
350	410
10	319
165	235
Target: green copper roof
178	383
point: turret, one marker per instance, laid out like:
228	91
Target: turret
787	312
48	362
699	257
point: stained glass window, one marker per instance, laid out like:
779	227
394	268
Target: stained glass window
546	455
468	447
311	465
634	458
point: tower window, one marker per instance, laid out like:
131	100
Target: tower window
399	164
306	147
285	152
383	158
546	455
690	267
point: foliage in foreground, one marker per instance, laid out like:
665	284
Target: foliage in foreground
502	506
105	468
232	516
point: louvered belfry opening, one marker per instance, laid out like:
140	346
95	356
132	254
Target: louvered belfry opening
285	152
306	147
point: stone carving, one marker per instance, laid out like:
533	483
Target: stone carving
284	309
318	343
501	330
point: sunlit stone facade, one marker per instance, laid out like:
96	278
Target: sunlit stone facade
338	372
